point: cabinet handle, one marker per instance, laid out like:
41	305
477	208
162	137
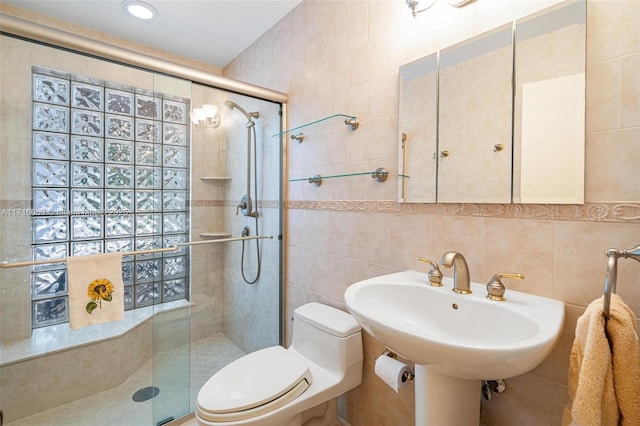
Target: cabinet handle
498	147
444	154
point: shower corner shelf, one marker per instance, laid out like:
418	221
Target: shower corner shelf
215	178
349	120
215	235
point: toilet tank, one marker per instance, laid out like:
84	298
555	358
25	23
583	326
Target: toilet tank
327	336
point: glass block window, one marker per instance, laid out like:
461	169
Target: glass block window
110	172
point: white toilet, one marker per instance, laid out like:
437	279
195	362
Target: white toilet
289	387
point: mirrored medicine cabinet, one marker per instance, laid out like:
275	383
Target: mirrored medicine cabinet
498	118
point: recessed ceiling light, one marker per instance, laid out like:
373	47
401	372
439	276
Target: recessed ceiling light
139	9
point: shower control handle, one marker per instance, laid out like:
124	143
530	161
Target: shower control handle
246	207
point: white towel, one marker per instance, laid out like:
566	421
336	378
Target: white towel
96	292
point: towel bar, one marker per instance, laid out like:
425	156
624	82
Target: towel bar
135	253
611	276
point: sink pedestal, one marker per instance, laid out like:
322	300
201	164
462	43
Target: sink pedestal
444	400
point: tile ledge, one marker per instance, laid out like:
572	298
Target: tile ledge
60	337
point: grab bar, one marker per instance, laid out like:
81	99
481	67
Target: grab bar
134	253
611	277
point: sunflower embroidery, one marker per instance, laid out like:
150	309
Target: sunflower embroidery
99	290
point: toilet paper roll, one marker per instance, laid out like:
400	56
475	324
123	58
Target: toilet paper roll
391	371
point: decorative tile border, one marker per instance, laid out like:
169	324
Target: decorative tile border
590	212
264	204
208	203
15	204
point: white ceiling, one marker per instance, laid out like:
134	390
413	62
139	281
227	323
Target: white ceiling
210	31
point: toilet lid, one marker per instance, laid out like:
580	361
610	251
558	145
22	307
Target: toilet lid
254	384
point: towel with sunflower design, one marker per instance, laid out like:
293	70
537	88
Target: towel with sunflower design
96	292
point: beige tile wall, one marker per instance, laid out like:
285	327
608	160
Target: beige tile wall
251	311
247	314
343	57
207	156
613	96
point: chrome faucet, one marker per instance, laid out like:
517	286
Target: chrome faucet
461	279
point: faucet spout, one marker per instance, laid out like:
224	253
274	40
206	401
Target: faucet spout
461	278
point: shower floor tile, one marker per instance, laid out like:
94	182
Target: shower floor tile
116	407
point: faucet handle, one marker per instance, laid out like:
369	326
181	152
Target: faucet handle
241	206
495	288
435	276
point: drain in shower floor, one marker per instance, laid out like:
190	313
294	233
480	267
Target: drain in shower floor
145	394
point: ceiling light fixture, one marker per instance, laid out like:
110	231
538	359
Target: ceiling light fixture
416	7
207	116
140	9
414	4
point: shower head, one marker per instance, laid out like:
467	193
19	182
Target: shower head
231	105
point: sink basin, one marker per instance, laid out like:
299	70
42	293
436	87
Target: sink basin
455	340
461	335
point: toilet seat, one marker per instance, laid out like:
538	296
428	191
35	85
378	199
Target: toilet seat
253	385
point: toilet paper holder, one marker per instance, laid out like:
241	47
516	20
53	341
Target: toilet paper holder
407	375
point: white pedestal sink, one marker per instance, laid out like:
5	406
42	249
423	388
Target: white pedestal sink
455	340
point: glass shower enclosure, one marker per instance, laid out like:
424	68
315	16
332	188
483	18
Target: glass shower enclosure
99	157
